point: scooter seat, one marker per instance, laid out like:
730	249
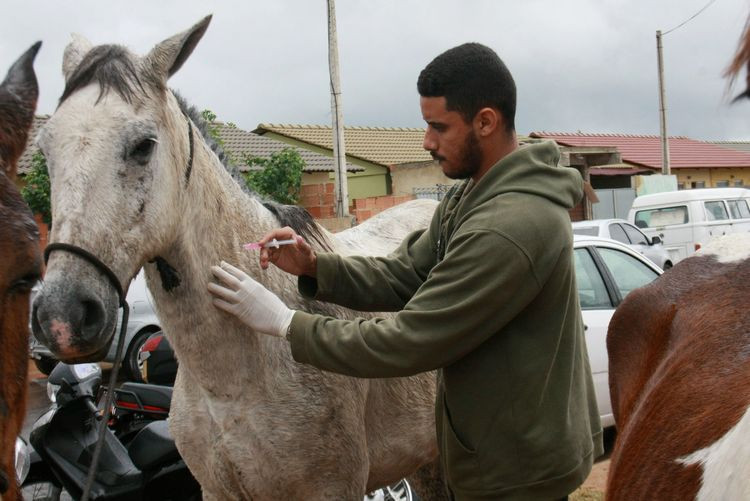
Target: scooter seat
153	446
144	397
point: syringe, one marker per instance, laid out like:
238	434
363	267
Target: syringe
273	243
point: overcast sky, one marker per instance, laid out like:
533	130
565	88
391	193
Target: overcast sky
580	65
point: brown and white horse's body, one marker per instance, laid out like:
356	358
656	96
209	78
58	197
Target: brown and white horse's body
20	261
134	183
679	373
679	355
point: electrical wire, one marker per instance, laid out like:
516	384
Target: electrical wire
690	18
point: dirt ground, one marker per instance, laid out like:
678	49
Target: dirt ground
594	487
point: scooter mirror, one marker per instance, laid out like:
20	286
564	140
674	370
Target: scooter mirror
23	460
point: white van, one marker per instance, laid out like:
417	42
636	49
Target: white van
687	219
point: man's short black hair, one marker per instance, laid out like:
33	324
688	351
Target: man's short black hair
471	77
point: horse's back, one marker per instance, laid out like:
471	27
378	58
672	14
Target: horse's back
383	232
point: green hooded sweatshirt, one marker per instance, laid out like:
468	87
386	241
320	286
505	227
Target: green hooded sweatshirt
487	296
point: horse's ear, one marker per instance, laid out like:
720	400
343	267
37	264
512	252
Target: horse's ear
18	95
168	56
74	53
21	79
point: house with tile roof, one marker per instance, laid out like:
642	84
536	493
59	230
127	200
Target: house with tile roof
237	143
696	164
393	157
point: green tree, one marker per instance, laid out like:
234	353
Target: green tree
36	190
280	177
211	126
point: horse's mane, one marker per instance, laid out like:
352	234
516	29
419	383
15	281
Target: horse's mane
113	68
293	216
741	59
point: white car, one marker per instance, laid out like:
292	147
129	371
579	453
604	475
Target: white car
142	322
606	272
622	231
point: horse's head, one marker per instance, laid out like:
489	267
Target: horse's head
118	151
20	259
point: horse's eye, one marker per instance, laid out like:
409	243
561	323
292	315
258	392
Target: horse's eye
142	151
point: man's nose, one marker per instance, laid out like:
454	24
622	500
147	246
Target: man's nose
429	143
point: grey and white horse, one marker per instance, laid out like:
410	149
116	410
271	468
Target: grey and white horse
136	184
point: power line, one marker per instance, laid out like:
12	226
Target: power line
690	18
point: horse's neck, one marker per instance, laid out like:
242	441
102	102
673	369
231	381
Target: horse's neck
216	219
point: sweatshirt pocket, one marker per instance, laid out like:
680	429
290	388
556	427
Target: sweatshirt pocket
461	460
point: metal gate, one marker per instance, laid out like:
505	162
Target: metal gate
613	203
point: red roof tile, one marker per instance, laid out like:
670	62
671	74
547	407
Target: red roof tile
684	153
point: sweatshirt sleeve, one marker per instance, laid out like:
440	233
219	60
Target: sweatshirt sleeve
373	283
484	281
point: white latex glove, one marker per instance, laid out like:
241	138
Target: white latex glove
249	301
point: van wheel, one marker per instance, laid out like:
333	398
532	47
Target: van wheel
667	265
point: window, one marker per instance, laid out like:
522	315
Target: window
666	216
722	184
628	272
715	211
698	184
635	236
617	233
739	209
589	231
739	183
592	293
680	186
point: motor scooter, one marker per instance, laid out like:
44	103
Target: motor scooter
142	465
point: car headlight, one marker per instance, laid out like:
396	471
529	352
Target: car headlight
52	390
23	461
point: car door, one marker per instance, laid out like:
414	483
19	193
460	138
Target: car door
597	307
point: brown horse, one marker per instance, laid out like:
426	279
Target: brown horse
20	261
679	374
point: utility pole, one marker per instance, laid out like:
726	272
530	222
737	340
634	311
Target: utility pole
341	191
662	108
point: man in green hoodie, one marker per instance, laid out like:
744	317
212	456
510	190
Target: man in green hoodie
486	295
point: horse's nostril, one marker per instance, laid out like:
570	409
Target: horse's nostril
93	316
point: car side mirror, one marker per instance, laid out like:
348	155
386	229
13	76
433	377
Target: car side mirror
655	240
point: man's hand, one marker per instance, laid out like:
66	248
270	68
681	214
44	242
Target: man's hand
297	259
249	301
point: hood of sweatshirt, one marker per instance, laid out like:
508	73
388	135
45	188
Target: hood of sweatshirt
531	168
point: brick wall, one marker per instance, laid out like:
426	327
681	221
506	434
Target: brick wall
318	199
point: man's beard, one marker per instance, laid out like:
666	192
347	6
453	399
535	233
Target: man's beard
470	159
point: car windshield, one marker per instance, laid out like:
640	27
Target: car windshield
589	231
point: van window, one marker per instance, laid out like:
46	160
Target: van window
715	211
738	209
666	216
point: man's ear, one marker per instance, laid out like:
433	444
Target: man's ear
487	121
